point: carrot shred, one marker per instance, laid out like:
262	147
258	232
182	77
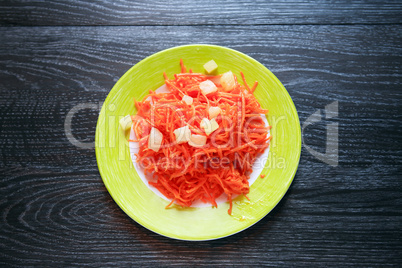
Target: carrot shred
183	68
184	173
171	202
244	81
254	86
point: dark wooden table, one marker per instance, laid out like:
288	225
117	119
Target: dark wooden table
54	55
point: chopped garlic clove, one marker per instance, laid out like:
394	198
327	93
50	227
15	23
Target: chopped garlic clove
187	99
126	122
155	139
214	112
197	140
204	123
227	81
182	134
209	126
214	125
207	87
210	66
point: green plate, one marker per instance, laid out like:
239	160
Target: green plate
204	223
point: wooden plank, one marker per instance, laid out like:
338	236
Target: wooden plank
227	12
55	210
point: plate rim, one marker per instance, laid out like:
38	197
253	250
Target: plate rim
272	76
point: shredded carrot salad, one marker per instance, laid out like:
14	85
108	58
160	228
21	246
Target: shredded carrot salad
186	173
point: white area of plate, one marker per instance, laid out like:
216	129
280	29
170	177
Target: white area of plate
258	165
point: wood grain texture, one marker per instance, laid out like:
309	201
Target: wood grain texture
55	210
226	12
